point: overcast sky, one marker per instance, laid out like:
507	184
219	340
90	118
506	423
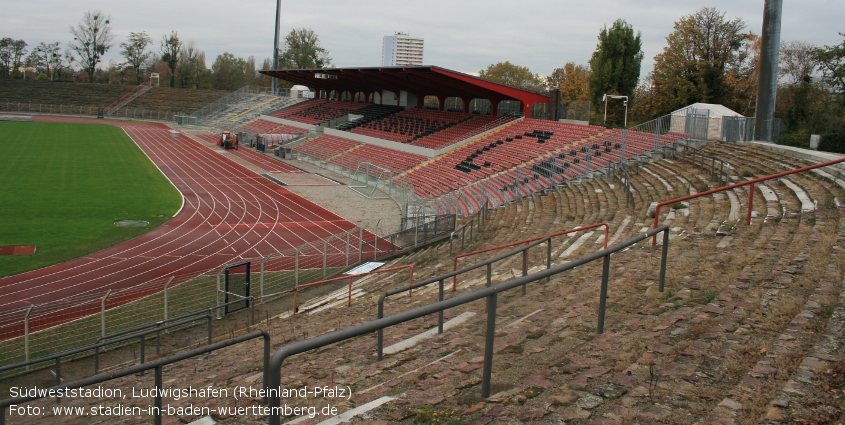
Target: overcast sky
463	35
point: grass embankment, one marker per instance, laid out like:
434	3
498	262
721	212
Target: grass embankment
62	187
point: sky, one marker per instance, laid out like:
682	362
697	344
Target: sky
464	35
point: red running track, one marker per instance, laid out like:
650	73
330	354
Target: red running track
229	213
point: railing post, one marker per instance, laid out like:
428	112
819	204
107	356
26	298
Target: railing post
261	278
26	334
219	293
325	255
296	267
750	204
158	383
166	285
440	314
489	337
664	255
103	313
549	257
605	276
524	268
380	339
350	292
360	244
347	246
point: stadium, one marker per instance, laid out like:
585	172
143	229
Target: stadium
417	245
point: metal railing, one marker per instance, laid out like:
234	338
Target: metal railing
156	409
722	173
223	103
525	258
349	278
736	185
273	371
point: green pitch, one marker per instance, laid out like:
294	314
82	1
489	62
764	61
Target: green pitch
62	187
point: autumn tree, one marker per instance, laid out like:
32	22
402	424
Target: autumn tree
92	38
191	71
797	62
46	58
171	47
513	75
702	51
572	80
303	51
616	62
134	49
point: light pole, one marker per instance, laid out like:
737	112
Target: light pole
276	43
624	102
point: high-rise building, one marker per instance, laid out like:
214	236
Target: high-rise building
401	50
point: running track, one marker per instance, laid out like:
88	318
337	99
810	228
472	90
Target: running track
230	213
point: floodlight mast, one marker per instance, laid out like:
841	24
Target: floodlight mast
276	42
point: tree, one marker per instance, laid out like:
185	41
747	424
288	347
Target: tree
797	62
171	47
134	50
615	63
831	61
703	48
92	38
11	56
513	75
572	80
303	51
191	65
229	72
46	58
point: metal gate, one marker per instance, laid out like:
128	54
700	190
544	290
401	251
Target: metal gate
698	120
737	129
237	286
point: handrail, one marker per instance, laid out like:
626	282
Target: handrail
156	410
273	372
440	279
481	251
349	277
735	185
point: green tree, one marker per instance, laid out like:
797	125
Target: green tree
303	51
134	50
229	72
702	51
92	38
513	75
616	62
171	47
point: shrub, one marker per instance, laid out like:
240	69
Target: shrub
833	142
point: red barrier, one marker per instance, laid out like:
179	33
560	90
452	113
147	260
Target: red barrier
527	241
735	185
350	277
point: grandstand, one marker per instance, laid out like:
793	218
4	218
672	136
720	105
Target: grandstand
746	330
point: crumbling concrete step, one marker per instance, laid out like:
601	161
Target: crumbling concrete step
411	342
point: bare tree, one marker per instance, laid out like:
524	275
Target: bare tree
797	62
92	38
46	58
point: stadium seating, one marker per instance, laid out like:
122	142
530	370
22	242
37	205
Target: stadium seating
389	159
268	127
411	124
326	147
318	111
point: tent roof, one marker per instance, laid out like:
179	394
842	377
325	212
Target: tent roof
715	110
421	80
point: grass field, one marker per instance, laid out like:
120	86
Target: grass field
62	187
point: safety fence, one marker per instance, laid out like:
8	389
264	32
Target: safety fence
87	111
44	329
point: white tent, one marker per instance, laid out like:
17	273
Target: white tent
702	120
